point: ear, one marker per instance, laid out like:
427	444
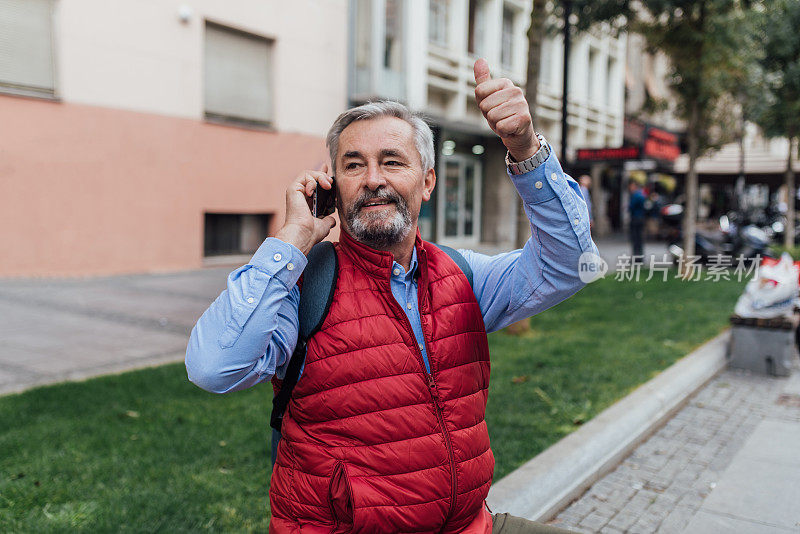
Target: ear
429	184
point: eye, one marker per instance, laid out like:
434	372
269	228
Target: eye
393	162
351	165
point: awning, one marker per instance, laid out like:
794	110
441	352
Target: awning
760	158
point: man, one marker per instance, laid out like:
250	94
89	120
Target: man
385	429
636	210
585	182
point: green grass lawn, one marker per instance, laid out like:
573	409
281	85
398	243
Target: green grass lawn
147	451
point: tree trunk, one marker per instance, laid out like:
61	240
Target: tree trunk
693	140
788	236
740	180
535	38
690	214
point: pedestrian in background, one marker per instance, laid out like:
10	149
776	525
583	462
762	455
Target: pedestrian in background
653	215
636	210
585	182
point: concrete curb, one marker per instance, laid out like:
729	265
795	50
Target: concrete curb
549	482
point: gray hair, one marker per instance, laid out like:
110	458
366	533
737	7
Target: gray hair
423	136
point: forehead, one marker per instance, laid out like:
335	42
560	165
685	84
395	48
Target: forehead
373	135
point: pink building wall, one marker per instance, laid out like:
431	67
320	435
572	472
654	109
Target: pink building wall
90	191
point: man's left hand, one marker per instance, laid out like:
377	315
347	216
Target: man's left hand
506	110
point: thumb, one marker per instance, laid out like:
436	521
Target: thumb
482	71
331	221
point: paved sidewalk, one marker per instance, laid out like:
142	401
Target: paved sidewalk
55	330
727	462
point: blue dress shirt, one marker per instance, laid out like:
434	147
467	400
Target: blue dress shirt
249	332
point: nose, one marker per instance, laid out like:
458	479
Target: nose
375	178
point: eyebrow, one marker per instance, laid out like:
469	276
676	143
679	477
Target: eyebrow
384	153
391	153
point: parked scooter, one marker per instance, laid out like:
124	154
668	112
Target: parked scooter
749	240
731	239
776	228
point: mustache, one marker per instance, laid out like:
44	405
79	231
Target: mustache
380	194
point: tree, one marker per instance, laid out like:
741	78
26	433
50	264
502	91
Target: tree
701	41
536	32
706	46
780	63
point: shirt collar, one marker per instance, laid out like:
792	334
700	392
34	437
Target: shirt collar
412	267
376	262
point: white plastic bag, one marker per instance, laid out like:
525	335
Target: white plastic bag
772	292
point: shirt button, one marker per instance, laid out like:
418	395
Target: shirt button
554	176
577	220
277	256
409	305
290	266
421	346
251	300
538	184
396	272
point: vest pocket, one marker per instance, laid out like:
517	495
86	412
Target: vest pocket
340	497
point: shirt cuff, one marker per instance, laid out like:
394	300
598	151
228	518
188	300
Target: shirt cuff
280	260
556	184
536	186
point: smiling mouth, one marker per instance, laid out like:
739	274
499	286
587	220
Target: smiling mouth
377	203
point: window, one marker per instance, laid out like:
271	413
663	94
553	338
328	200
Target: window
611	80
238	76
477	27
507	44
363	45
437	23
393	49
26	47
233	233
458	198
590	84
546	66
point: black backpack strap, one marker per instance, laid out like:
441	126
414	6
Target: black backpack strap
319	284
459	260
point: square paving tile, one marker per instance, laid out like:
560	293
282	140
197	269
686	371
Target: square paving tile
710	523
761	484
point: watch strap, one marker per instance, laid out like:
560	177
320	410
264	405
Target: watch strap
530	164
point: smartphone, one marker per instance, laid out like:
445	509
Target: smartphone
323	201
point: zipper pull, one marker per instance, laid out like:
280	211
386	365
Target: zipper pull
435	392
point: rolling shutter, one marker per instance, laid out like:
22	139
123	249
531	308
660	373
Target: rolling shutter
26	46
237	75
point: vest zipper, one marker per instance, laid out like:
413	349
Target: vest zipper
437	406
437	403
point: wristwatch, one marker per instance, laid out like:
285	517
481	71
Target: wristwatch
521	167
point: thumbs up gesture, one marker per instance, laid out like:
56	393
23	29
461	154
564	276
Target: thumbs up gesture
506	110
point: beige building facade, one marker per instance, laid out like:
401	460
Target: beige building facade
152	135
422	53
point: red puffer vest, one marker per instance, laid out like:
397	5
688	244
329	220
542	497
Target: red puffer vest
371	441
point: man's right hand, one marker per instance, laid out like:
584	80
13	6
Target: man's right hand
301	228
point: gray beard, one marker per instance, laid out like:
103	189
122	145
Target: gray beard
372	228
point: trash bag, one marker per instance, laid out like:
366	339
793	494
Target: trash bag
772	292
